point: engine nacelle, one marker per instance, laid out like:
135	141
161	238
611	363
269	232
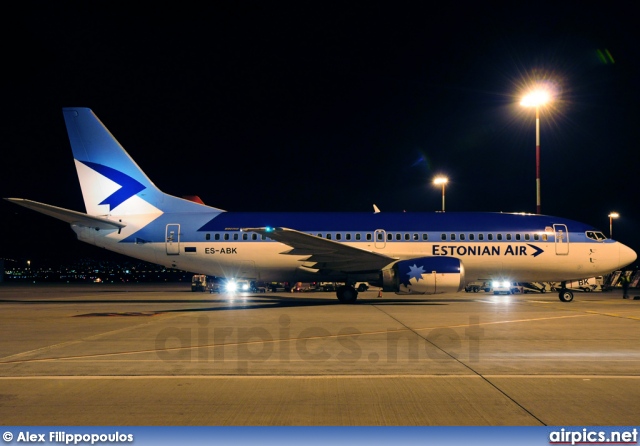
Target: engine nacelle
424	275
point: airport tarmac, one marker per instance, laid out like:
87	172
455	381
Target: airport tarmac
158	354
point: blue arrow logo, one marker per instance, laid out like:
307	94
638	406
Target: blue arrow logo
537	250
129	186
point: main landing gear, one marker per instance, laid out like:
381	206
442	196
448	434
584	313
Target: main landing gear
347	294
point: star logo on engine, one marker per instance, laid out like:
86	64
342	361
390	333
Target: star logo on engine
415	272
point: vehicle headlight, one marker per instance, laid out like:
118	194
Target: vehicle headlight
231	286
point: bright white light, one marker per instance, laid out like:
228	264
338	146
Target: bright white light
501	284
440	180
536	98
231	286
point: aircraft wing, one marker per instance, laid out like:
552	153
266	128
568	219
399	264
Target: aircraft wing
71	217
327	254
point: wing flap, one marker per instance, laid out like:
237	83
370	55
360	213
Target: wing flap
71	217
326	254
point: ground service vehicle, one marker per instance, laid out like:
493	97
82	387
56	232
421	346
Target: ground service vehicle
475	287
506	287
199	283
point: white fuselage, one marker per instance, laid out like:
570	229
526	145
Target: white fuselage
266	260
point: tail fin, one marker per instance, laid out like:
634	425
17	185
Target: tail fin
111	181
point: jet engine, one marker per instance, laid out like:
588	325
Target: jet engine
424	275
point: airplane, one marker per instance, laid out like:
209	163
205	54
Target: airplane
402	252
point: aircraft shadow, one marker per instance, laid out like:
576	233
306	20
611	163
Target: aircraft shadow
229	303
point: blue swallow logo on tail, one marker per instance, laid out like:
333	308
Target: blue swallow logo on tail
129	186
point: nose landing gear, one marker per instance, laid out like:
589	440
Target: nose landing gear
565	295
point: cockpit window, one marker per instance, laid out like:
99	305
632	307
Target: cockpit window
596	235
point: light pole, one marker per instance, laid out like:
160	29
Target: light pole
536	99
611	217
443	181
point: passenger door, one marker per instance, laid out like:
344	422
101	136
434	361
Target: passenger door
173	239
562	239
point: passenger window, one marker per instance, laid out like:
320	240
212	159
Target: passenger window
453	237
226	236
389	236
380	236
328	236
358	236
480	237
472	237
508	236
338	236
527	237
398	236
235	236
245	236
407	237
518	237
462	237
254	236
489	236
499	237
216	236
415	237
545	237
207	237
443	236
369	237
536	237
348	236
425	236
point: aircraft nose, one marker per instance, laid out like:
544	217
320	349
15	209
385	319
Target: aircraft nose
627	255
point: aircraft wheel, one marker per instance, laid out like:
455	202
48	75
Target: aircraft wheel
347	294
587	290
565	295
476	289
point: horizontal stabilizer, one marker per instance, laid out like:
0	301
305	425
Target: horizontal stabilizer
71	217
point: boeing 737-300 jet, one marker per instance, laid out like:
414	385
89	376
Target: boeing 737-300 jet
406	253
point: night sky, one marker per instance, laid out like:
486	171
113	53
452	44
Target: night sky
307	106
